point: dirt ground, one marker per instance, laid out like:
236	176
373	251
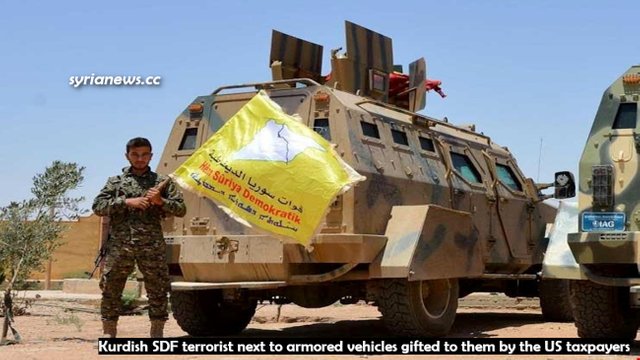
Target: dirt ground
56	329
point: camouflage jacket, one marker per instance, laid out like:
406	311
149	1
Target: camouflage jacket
133	224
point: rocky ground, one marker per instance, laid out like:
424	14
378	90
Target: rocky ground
68	328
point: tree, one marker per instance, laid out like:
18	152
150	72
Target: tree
30	230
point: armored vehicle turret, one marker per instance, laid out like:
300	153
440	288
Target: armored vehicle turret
444	211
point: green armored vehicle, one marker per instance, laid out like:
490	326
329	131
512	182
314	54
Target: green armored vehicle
606	246
444	211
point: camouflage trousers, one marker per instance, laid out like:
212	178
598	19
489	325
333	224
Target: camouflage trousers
150	256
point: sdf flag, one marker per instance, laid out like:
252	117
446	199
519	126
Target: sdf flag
266	168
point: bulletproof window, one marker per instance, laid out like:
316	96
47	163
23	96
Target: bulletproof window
399	137
377	81
463	165
189	139
508	177
626	116
426	144
370	130
321	126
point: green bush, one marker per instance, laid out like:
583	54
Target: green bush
129	301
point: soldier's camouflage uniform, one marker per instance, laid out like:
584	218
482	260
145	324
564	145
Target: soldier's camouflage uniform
136	237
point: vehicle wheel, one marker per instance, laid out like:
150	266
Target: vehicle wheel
204	313
602	311
554	300
418	308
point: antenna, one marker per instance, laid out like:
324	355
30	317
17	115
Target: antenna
539	160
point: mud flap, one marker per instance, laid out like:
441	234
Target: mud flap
429	242
558	262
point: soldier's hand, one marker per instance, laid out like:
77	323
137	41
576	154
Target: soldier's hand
154	197
138	203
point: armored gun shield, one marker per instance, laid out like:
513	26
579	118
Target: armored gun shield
367	64
417	85
292	58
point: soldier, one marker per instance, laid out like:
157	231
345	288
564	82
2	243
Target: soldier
136	207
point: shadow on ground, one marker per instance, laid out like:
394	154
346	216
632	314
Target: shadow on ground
466	325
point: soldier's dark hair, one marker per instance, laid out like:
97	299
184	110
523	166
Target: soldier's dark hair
138	142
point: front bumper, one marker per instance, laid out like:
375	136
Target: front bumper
605	248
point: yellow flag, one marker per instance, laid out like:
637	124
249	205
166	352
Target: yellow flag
268	169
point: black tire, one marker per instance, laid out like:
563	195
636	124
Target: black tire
418	308
603	311
554	300
204	313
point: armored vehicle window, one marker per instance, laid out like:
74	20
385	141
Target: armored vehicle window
189	139
399	137
626	116
321	126
463	165
506	175
426	144
377	81
370	130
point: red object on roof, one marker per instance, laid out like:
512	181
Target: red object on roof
399	83
435	86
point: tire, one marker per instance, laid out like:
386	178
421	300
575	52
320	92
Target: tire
554	300
204	313
603	311
418	308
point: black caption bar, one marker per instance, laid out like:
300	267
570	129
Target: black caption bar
245	346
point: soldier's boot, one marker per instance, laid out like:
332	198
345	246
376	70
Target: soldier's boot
157	327
110	328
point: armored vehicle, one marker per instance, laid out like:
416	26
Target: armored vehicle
444	211
605	242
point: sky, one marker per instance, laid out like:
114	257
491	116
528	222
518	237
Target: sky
524	72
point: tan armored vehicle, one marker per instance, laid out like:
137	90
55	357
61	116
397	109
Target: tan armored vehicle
606	234
444	211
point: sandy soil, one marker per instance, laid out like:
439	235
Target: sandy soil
52	331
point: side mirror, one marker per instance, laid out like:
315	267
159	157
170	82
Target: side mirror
565	185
